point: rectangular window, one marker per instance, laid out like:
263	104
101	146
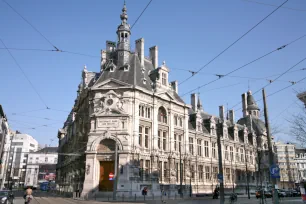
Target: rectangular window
226	152
175	120
140	136
237	154
246	156
181	122
200	170
180	143
165	170
231	153
241	155
215	173
146	137
164	79
191	145
141	170
175	142
199	147
164	140
228	174
192	172
147	169
207	173
160	168
159	139
206	150
214	150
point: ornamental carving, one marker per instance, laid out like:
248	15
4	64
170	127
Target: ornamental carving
109	103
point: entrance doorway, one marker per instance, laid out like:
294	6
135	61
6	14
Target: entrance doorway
106	167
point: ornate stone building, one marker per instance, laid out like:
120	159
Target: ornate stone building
130	104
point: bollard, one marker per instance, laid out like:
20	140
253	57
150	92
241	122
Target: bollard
95	196
108	197
153	196
122	197
175	196
168	195
135	196
144	197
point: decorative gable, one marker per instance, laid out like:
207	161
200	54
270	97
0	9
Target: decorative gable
111	83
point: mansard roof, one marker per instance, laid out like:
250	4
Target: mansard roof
257	124
136	75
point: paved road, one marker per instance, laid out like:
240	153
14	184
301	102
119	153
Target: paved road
58	200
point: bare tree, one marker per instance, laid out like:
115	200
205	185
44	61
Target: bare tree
298	126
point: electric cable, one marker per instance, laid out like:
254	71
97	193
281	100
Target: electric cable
234	42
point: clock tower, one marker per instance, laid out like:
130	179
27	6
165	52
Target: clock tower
123	33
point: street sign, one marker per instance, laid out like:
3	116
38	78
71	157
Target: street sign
274	171
220	178
110	176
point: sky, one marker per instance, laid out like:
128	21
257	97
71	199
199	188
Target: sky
188	34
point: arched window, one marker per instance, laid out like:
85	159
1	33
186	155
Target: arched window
162	115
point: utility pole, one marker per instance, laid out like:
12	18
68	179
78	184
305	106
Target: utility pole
219	134
116	172
271	156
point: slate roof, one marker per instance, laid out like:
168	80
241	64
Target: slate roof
252	105
134	76
258	125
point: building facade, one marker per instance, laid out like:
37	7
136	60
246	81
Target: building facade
41	167
5	141
300	160
161	142
22	145
286	158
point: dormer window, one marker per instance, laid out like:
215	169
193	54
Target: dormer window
164	79
144	81
111	69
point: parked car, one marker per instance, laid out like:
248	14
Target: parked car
6	197
282	193
267	194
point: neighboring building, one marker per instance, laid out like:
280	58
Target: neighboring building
286	158
300	159
130	105
302	97
41	166
22	145
5	141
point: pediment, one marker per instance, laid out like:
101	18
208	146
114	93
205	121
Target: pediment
165	95
111	83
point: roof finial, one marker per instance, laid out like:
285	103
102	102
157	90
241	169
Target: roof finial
124	15
85	67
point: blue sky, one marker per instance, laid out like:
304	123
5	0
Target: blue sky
188	34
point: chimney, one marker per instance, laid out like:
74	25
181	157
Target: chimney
140	50
154	56
232	116
103	58
194	102
221	112
244	105
174	86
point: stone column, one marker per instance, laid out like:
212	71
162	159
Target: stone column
171	130
136	124
90	177
186	133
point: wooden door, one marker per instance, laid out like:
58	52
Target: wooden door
106	167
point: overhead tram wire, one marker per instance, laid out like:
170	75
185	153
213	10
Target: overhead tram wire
280	113
141	14
287	71
284	7
243	77
233	43
280	90
265	55
31	25
24	74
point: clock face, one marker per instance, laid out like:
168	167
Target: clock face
109	102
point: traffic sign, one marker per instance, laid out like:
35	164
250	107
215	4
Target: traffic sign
110	176
274	171
220	178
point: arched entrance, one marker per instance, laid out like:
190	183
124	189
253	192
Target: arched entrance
106	155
